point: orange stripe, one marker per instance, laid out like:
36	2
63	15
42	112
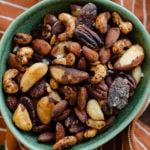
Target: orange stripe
24	3
4	24
148	15
9	11
128	4
116	1
139	9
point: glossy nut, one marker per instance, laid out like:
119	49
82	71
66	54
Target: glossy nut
44	109
9	85
95	124
94	111
41	46
22	119
130	59
90	133
32	75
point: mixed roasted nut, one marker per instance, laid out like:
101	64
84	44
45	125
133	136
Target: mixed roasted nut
69	78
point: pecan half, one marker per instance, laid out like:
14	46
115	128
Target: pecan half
98	91
88	37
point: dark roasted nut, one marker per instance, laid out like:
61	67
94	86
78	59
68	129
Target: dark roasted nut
75	9
41	46
49	19
27	102
109	80
90	54
119	93
42	31
38	90
60	131
80	136
81	114
76	127
46	137
70	93
104	55
57	28
63	116
82	64
107	110
22	38
59	108
13	63
112	36
88	37
98	91
82	98
69	120
41	128
131	81
11	102
87	15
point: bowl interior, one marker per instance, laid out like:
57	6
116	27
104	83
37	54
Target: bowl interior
28	21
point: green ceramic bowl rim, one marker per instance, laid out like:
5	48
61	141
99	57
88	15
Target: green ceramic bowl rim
4	41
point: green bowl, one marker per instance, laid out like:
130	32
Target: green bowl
29	20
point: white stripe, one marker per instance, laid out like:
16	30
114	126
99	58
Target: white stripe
133	6
139	142
143	129
129	138
1	32
144	13
14	5
122	3
7	18
2	130
6	148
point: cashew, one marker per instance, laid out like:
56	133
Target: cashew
90	133
124	26
22	38
32	75
59	51
97	124
100	72
22	119
120	45
101	22
13	63
69	22
69	60
44	109
23	54
94	110
65	142
54	84
9	85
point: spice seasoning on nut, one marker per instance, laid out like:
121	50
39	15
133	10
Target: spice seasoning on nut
68	78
